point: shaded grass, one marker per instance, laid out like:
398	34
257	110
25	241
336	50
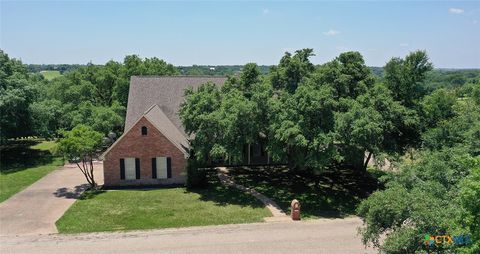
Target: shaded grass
160	208
333	194
23	163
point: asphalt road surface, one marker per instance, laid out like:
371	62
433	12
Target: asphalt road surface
311	236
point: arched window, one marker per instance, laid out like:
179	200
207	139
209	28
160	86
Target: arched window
144	130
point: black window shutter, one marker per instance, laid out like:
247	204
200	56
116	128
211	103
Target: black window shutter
169	167
122	169
137	168
154	168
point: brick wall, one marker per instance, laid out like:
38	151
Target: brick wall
133	144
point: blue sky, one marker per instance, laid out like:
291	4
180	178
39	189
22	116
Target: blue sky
215	32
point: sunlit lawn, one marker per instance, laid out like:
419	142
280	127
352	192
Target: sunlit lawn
23	163
161	208
49	75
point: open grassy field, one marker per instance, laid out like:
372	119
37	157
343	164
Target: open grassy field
161	208
334	193
49	75
23	163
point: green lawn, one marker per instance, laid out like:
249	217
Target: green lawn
161	208
23	163
49	75
332	194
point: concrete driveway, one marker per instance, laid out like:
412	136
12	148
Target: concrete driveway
36	209
314	236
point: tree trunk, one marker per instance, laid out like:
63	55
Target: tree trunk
87	170
365	165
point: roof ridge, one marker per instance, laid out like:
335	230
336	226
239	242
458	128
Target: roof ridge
150	108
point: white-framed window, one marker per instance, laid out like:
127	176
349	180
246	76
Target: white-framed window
130	169
161	167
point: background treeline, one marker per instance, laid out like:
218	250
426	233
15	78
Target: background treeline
96	95
62	68
436	78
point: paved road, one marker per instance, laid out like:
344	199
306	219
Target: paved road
36	209
314	236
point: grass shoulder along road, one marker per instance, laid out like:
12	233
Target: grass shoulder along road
23	163
161	208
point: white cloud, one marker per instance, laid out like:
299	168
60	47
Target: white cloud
265	11
455	10
403	44
331	32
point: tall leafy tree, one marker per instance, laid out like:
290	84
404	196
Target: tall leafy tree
291	70
17	92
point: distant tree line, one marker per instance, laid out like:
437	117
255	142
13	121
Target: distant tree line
62	68
94	95
217	70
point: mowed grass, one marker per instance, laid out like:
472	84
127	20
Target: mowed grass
23	163
160	208
49	75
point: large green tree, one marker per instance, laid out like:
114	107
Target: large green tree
436	193
95	95
17	92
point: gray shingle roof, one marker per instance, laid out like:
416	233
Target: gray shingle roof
157	117
165	91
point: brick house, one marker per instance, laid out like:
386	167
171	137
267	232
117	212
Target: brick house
153	149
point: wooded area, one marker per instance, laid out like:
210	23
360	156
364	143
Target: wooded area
338	114
314	117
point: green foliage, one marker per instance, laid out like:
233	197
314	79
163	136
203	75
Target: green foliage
419	199
82	141
438	106
199	114
216	70
438	192
81	145
463	128
46	117
451	79
404	77
17	92
310	117
470	200
291	70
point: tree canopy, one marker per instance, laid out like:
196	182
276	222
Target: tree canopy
95	95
